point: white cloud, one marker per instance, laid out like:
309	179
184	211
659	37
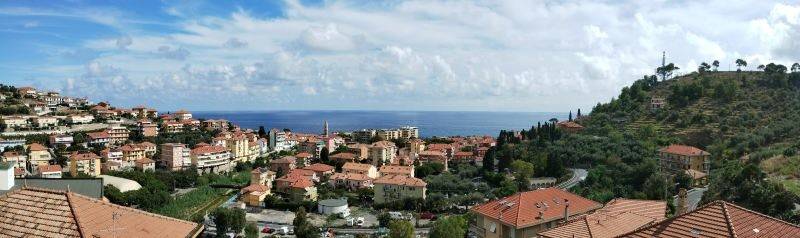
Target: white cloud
123	42
481	55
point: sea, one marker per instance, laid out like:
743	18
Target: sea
430	123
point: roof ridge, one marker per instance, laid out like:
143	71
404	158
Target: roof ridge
728	221
131	209
667	220
72	210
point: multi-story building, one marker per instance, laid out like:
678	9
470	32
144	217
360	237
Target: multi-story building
211	159
262	176
44	122
175	156
382	152
84	163
388	134
364	135
358	168
350	181
101	138
685	159
118	134
433	156
49	171
526	214
5	143
397	170
398	187
283	165
172	127
278	141
14	122
321	170
148	128
145	164
215	124
238	144
19	159
38	154
182	115
297	188
131	153
409	132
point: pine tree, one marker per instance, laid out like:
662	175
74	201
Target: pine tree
579	113
570	115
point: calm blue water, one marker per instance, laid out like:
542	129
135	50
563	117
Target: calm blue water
429	123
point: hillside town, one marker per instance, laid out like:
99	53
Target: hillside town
350	182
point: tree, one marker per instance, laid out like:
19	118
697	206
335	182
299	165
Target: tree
666	70
450	227
795	67
522	173
302	228
324	155
704	67
570	116
488	159
384	219
761	67
715	64
579	113
740	63
262	133
400	229
228	220
251	230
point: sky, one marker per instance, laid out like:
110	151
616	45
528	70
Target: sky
494	55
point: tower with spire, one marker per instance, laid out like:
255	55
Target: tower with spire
325	129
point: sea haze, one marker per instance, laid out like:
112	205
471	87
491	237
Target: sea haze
430	123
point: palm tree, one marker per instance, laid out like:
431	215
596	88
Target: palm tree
740	63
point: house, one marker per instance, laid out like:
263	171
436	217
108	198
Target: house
58	213
464	157
238	144
215	124
657	103
398	170
182	115
112	154
350	181
718	219
44	122
382	152
5	143
49	171
65	140
254	194
569	126
175	156
172	127
118	134
145	164
14	122
38	154
358	168
409	132
27	91
395	187
211	159
131	153
303	173
19	159
262	176
101	138
416	145
361	151
321	170
283	165
304	159
80	119
343	157
148	128
681	158
526	214
617	217
433	156
84	163
297	188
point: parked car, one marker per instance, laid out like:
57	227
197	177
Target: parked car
283	230
360	221
267	230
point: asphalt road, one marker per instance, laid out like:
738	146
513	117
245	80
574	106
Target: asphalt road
693	197
578	175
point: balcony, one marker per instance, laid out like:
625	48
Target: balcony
477	231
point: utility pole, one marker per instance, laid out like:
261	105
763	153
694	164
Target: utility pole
663	65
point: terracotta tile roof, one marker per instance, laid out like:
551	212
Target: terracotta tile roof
719	219
9	154
384	144
49	168
300	173
83	156
396	169
320	167
522	209
683	150
402	180
284	160
305	155
439	146
350	176
36	147
357	166
343	155
431	153
464	153
208	149
144	161
51	213
617	217
97	135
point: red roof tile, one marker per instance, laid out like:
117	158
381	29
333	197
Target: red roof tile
683	150
402	180
37	147
522	209
208	150
320	167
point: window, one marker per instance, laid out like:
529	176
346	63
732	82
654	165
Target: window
493	227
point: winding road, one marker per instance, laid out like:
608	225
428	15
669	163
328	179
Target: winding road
578	175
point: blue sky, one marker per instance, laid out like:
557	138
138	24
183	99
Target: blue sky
499	55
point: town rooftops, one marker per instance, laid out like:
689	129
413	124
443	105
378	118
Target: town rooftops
535	207
284	160
384	144
617	217
683	150
208	150
83	156
719	219
396	169
357	166
350	176
401	180
36	147
49	168
569	124
52	213
304	155
343	155
255	188
319	167
98	135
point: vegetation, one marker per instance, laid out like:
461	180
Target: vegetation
450	227
228	220
401	229
302	228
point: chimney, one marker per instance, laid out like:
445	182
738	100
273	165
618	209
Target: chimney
566	210
681	206
6	175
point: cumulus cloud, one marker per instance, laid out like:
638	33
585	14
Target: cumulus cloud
123	42
486	55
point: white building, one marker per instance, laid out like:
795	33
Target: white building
334	206
175	156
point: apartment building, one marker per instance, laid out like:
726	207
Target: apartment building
118	134
84	162
80	119
211	159
398	187
147	128
44	122
358	168
175	156
64	139
382	152
409	132
38	154
397	170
